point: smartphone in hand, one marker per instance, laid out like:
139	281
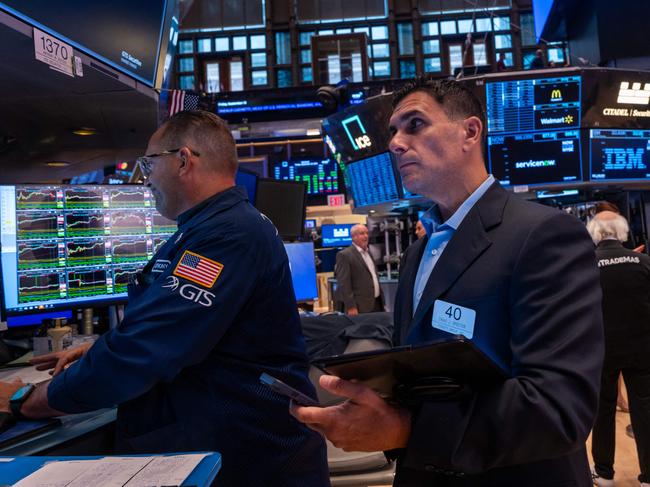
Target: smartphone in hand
281	388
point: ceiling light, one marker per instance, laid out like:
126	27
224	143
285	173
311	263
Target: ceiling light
57	164
85	131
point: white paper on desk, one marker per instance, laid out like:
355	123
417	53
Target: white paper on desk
29	375
110	472
56	474
168	470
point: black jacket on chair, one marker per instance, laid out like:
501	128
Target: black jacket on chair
529	272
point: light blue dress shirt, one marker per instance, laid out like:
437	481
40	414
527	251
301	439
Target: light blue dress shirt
439	234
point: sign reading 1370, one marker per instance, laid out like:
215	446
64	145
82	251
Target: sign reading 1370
52	51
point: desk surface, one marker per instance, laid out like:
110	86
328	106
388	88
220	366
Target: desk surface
14	469
72	426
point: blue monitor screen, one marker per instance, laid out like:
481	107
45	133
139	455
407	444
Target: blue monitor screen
321	176
303	270
71	246
337	235
535	158
533	104
373	180
249	181
36	319
619	154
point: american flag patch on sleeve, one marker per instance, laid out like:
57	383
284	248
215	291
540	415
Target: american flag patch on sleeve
198	269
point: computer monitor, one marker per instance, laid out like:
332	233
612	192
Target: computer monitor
533	130
310	224
536	158
303	270
283	202
321	176
36	319
619	155
247	179
64	247
373	180
337	235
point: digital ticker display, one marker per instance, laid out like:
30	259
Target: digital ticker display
321	176
617	155
373	180
67	245
533	130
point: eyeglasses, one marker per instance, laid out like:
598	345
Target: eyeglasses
146	162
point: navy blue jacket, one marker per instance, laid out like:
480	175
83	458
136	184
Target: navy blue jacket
529	272
183	365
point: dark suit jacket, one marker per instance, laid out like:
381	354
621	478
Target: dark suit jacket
354	286
530	274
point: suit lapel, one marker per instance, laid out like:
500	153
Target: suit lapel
407	282
360	261
468	242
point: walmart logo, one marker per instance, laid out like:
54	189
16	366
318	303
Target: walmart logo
634	95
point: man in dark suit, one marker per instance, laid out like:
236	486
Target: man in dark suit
357	284
524	279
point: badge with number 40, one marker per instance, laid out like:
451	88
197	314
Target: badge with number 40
453	319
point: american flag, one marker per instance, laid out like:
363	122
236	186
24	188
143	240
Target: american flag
181	100
198	269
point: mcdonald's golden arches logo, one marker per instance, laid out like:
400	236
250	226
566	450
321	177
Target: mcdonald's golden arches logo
556	95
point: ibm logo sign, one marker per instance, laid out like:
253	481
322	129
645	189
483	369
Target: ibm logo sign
634	95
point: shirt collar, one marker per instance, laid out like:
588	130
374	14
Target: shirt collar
432	220
358	248
214	204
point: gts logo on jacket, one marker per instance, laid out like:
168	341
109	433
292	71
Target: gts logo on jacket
190	292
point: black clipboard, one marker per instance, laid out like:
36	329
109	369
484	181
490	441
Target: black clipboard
417	372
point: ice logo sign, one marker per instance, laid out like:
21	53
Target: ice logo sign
356	132
341	232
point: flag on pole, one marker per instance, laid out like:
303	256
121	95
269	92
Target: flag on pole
182	100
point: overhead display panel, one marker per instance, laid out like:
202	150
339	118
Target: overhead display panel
536	158
619	155
533	130
362	130
122	33
617	99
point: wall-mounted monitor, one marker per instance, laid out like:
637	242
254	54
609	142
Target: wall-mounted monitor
283	202
619	155
536	158
337	235
373	180
303	270
321	176
71	246
133	37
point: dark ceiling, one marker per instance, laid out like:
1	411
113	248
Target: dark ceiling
40	107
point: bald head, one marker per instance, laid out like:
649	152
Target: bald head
359	234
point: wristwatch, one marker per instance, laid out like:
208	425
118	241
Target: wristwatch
19	397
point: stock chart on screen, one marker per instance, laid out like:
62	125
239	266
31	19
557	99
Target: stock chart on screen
66	246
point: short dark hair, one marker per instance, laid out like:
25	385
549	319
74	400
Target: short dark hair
456	100
208	134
